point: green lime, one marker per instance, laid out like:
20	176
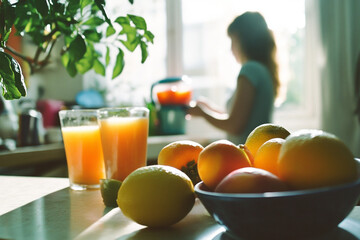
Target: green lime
109	190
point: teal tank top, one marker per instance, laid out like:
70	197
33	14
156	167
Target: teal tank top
262	110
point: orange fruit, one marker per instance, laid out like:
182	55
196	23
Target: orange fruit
182	155
313	158
262	133
268	154
156	195
250	180
248	153
218	159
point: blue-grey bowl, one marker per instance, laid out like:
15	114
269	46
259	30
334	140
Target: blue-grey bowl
281	215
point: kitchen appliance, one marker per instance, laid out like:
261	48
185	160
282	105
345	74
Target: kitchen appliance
31	128
171	97
8	120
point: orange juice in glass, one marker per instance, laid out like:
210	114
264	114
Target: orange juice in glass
81	136
124	133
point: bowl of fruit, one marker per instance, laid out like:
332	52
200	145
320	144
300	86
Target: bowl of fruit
281	215
301	185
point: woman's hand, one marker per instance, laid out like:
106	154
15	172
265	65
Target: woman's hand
195	110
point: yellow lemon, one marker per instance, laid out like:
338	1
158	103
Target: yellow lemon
263	133
156	196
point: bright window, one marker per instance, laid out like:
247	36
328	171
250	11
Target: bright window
191	39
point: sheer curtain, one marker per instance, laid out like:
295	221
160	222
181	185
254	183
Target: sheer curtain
339	28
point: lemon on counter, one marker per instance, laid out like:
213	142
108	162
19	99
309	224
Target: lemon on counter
156	196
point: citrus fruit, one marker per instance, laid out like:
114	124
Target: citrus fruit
262	133
218	159
109	190
156	195
250	180
182	155
268	154
314	158
248	153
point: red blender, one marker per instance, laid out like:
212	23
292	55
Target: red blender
173	96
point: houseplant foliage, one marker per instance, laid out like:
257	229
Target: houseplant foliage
83	25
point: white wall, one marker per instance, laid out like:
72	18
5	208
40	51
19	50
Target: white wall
56	82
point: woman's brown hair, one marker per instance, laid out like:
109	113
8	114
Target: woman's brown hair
257	42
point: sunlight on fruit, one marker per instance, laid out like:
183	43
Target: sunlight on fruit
156	196
313	158
262	133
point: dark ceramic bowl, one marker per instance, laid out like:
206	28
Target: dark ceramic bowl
281	215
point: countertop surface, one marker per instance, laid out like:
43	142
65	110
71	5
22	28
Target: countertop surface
45	208
55	151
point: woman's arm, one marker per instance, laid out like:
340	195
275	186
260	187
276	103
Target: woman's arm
235	121
209	105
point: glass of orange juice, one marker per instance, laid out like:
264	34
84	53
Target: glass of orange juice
84	154
124	133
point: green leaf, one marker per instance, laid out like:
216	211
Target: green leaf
149	36
19	77
93	35
71	69
132	39
107	56
131	45
131	1
87	62
77	48
12	79
94	22
65	59
99	67
122	21
84	3
119	64
42	7
138	21
129	31
101	4
7	75
6	35
110	31
7	18
83	66
58	8
64	28
73	7
21	12
28	25
144	52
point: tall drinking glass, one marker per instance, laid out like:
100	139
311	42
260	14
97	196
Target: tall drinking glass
124	133
81	136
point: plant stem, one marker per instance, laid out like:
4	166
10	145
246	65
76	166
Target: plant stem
44	62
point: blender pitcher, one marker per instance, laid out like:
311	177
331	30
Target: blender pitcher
173	96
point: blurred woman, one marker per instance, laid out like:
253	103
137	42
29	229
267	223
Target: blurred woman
252	102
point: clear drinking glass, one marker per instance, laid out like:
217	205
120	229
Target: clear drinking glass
124	133
81	136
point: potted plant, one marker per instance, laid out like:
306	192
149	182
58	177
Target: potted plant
82	25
